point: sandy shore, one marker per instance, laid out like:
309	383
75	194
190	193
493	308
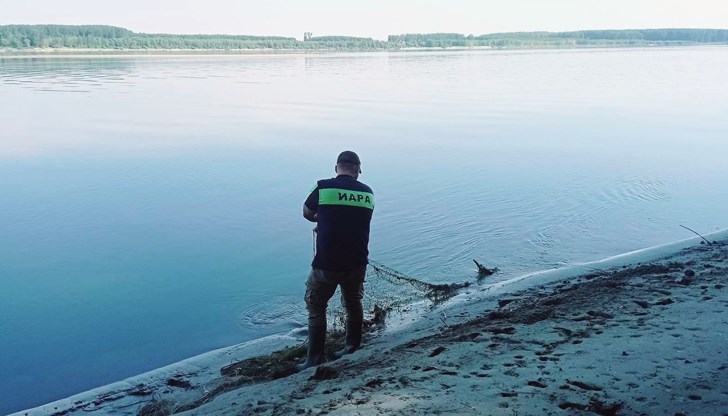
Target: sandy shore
634	338
649	339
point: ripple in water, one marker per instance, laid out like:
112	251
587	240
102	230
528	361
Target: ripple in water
265	315
641	190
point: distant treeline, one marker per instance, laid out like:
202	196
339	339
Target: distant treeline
110	37
565	39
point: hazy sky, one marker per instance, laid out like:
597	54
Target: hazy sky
371	18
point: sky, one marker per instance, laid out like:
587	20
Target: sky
370	18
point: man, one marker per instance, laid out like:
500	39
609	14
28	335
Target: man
342	208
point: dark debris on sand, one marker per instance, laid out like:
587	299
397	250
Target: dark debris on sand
282	363
593	300
261	369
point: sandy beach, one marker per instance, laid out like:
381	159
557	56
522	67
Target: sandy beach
642	334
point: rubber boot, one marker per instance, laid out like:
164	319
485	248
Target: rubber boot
316	342
353	339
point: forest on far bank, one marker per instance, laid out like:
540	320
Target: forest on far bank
116	38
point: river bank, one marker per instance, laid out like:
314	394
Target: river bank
641	333
68	53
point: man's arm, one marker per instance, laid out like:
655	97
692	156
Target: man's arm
309	214
311	205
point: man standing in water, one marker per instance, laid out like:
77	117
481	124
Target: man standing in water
342	208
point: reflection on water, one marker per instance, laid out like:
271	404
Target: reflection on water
66	75
151	206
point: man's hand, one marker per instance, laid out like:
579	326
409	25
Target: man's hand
309	214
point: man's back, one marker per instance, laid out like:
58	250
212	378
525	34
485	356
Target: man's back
344	209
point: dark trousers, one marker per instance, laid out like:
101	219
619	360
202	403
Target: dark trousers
321	286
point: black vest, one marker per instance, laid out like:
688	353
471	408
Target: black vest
344	209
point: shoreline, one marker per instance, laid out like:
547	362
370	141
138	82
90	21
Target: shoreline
528	317
75	53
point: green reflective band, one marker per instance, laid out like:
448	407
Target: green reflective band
334	196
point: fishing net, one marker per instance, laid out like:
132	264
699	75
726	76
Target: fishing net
387	290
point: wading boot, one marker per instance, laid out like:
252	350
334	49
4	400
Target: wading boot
353	339
316	341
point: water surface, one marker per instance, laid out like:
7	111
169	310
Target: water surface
151	207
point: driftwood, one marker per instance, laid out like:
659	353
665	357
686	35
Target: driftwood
696	233
484	271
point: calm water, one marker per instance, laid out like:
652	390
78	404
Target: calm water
150	207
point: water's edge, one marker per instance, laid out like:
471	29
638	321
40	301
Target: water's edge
124	397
